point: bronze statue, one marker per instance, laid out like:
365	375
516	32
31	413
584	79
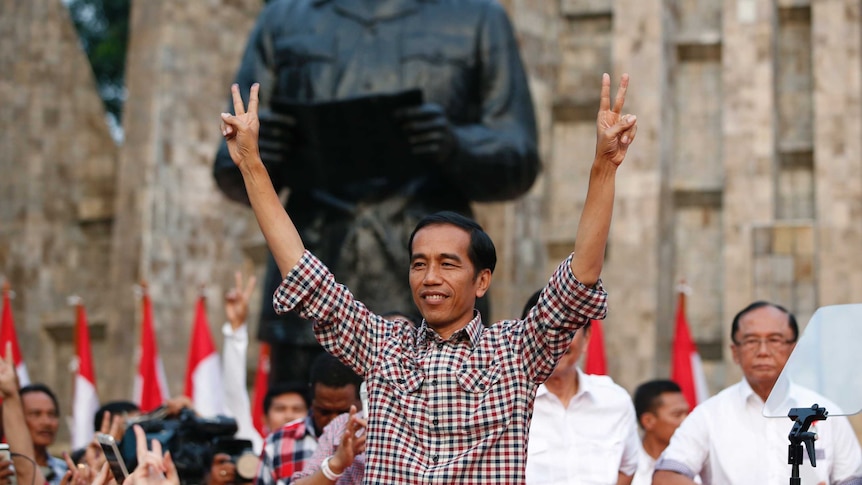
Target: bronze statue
472	137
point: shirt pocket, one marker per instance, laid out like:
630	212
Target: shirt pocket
443	65
401	375
305	63
483	409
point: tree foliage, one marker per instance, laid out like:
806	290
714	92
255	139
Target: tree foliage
103	27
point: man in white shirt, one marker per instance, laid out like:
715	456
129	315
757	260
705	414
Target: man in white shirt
583	429
660	407
727	440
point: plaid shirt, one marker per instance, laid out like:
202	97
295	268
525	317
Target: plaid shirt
326	446
444	411
285	451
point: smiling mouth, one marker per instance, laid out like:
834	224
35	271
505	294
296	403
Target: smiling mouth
433	298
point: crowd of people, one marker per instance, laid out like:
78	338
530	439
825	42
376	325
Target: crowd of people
442	396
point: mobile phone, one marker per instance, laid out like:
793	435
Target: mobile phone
363	397
113	456
6	455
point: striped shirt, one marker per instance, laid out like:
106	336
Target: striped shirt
444	411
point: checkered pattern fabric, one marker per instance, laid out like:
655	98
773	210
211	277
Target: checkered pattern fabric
444	411
285	452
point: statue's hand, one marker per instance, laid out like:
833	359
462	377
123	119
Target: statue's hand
428	130
277	136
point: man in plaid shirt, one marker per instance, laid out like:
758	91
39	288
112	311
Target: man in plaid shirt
450	400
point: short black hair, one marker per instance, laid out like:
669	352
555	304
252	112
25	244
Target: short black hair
38	387
115	408
481	252
791	319
328	371
286	387
648	395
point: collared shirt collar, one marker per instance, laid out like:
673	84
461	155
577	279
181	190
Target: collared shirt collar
471	332
747	394
584	387
382	10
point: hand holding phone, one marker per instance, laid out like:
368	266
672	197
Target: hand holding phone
113	456
7	472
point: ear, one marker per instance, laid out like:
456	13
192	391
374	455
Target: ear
734	350
648	420
483	282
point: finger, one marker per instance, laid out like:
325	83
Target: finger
431	125
117	427
105	427
67	478
249	288
157	447
140	443
102	476
238	105
237	281
629	135
68	460
9	359
621	94
605	103
253	98
171	469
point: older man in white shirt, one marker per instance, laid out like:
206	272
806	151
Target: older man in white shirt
727	440
584	429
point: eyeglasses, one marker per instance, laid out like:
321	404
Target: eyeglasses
751	344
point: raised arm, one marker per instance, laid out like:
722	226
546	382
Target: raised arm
614	134
241	135
15	426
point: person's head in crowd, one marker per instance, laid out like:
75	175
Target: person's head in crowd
660	408
123	409
762	337
42	413
451	262
569	361
335	387
285	402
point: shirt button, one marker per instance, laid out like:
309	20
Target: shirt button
434	382
402	381
435	422
439	346
482	386
434	458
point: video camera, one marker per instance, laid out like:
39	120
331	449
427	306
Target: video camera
193	442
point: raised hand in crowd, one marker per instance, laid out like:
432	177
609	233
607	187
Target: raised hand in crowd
154	468
7	472
15	426
236	300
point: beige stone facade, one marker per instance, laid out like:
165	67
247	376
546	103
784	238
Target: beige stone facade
745	180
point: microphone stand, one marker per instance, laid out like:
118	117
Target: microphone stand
802	419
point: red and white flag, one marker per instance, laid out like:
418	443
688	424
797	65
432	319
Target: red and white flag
261	386
595	362
151	385
85	401
8	335
686	368
203	373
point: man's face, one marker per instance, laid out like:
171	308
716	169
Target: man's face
574	352
671	411
42	418
443	279
329	402
285	408
762	345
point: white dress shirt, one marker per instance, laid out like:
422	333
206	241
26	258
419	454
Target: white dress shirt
589	442
646	467
234	377
728	441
